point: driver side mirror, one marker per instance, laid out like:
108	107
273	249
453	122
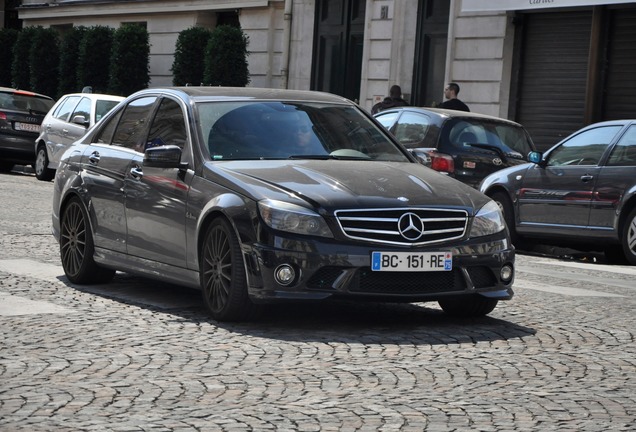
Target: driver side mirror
535	157
80	120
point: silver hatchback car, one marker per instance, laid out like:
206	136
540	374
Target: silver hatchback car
65	123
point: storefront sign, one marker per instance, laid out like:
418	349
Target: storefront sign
506	5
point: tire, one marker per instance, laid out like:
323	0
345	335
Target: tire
77	248
222	273
628	237
6	166
468	306
42	171
504	203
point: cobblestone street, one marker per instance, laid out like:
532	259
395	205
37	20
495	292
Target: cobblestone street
137	355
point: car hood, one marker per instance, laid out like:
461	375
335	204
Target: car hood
340	184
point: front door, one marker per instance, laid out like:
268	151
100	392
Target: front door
338	47
557	197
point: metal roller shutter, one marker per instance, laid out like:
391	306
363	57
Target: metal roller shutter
620	86
553	75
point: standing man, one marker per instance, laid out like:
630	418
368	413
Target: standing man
450	93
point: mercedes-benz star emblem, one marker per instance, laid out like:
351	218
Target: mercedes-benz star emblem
410	226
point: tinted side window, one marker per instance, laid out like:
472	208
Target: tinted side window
131	129
105	136
65	108
387	119
168	126
624	153
586	148
412	128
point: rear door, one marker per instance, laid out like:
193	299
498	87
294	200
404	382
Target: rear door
616	182
556	197
107	161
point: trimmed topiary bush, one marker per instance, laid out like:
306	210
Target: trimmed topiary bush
44	58
69	52
20	67
129	60
93	66
226	58
188	65
8	38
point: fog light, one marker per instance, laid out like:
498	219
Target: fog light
284	274
507	273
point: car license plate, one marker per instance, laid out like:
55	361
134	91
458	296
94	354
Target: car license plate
28	127
411	261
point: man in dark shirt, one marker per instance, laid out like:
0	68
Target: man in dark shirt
450	93
393	100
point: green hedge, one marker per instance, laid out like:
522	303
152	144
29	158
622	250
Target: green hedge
226	58
93	64
129	60
188	64
8	38
69	53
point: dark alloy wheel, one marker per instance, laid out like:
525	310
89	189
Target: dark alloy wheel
628	237
223	279
42	171
76	247
468	306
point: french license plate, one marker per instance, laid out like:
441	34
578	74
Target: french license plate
411	261
28	127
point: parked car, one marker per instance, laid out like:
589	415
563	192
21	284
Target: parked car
580	194
21	113
66	122
261	195
466	146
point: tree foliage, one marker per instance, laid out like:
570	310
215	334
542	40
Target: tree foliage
69	52
44	58
188	65
93	65
129	60
20	66
226	58
8	39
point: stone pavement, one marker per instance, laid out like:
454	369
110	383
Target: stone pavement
137	355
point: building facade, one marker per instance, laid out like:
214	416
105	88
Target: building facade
552	65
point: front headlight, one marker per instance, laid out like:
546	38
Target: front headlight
293	218
488	220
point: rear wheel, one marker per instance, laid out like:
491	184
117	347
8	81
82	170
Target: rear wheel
469	306
41	167
223	279
628	237
77	248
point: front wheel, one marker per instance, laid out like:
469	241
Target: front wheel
469	306
41	167
77	248
505	205
223	279
628	237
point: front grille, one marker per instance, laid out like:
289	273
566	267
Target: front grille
407	283
403	226
402	283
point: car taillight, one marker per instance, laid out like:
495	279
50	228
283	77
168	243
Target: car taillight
3	116
442	162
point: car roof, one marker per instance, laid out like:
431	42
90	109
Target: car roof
96	96
448	113
247	93
23	92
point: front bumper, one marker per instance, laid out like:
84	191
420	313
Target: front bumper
329	270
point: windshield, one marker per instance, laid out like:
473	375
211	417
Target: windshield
511	139
20	102
277	130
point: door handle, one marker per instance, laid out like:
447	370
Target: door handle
586	178
65	131
94	158
136	172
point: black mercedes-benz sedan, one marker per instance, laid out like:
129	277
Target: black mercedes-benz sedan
258	195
